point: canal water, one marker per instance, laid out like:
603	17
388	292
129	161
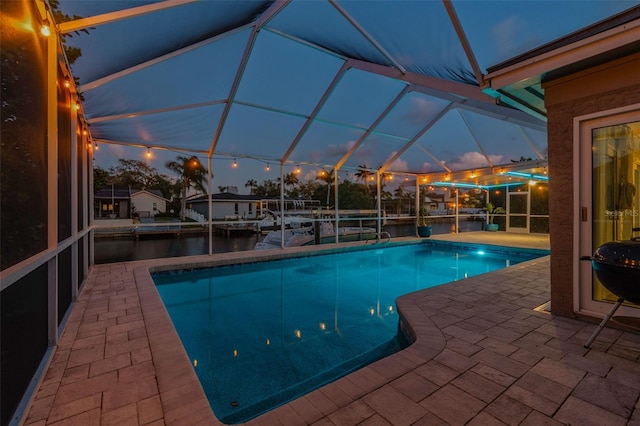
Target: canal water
109	250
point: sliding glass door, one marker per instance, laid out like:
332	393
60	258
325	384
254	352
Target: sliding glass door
609	199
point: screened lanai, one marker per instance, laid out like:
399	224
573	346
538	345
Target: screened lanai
391	87
404	88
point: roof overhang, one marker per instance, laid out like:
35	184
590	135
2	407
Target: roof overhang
517	82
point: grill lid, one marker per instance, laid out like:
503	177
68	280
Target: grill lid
624	254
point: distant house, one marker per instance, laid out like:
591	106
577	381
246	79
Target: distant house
228	205
112	203
148	203
119	203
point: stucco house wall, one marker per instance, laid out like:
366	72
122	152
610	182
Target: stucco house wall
144	201
607	86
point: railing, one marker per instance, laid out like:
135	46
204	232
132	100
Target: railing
194	215
379	237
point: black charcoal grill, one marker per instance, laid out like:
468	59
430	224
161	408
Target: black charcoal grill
617	266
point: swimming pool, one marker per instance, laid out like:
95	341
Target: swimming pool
262	334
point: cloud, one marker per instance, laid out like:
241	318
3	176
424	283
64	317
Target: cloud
398	165
309	175
426	167
474	159
421	110
333	150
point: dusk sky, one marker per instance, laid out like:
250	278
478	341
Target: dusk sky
178	102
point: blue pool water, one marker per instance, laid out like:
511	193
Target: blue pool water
262	334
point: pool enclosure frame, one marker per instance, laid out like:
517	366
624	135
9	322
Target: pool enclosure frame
43	273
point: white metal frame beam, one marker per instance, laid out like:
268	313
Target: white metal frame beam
378	120
106	18
475	138
453	16
271	12
368	36
429	125
109	78
325	96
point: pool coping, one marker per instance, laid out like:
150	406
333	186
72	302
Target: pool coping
487	351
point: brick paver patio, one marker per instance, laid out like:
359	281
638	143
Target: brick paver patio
482	355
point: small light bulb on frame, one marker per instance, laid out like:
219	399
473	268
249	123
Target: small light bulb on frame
45	29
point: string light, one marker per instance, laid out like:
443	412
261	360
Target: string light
85	132
95	146
148	154
235	163
67	82
268	168
45	29
298	170
77	105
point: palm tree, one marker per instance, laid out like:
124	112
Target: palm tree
363	174
251	183
290	179
399	195
191	173
327	177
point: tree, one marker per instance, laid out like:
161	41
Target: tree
351	196
191	173
251	183
134	174
101	179
268	189
168	187
309	190
328	178
290	179
72	53
363	174
399	196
